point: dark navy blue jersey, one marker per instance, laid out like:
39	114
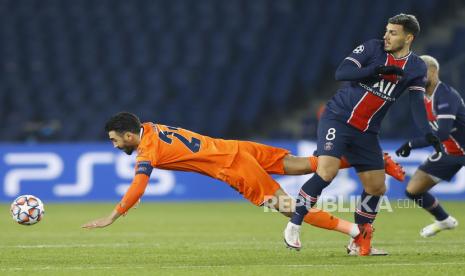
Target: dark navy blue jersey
446	113
363	103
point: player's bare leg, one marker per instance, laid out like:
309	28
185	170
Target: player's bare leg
417	190
296	165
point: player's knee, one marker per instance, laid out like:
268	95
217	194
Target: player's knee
412	188
327	174
410	194
378	190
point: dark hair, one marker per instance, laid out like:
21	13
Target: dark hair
123	122
408	21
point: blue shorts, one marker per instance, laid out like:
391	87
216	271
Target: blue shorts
444	167
361	149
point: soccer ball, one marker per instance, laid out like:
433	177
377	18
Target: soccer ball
27	209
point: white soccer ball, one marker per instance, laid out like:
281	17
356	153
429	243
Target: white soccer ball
27	209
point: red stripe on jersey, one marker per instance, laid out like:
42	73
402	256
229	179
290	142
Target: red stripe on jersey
452	147
392	61
365	109
429	109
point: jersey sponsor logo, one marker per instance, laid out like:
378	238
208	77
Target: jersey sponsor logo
384	90
359	49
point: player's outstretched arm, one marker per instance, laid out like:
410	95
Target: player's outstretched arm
420	118
132	196
349	71
102	222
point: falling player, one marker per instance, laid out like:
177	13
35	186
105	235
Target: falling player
377	73
244	165
446	113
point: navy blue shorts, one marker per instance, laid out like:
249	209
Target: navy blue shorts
361	149
443	167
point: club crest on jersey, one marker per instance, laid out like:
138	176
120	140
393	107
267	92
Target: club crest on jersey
359	49
328	146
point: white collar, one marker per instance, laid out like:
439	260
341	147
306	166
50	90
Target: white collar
141	132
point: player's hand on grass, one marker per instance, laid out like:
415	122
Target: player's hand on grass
389	70
404	150
102	222
98	223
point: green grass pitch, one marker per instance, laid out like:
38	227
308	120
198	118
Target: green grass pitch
221	238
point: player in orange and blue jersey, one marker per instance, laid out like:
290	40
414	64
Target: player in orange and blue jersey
245	166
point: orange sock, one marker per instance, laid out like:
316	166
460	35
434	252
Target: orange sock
321	219
325	220
344	163
313	163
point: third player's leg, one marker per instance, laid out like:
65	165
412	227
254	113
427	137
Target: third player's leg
420	182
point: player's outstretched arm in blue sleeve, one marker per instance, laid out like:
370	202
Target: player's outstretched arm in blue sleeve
417	106
443	132
349	71
421	120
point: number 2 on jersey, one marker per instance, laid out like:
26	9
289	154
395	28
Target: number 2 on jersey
167	136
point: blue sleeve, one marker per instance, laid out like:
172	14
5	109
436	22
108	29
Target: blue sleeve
443	132
446	104
144	167
356	65
444	128
348	71
417	106
419	82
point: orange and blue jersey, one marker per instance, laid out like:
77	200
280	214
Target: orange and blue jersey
173	148
244	165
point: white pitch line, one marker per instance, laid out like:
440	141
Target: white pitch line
208	244
312	265
109	245
35	268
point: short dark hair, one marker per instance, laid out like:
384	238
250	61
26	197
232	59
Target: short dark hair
408	21
123	122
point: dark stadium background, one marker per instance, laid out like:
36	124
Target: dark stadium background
235	69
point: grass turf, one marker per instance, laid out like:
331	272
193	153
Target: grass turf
217	238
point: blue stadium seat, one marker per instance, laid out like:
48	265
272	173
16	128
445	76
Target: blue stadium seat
208	65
